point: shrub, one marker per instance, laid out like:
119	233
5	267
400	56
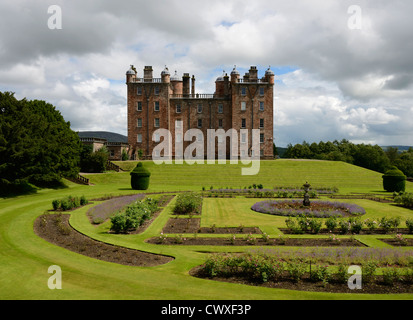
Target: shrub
315	225
394	180
320	273
355	225
369	268
409	224
344	226
56	204
331	223
68	203
390	275
293	226
296	269
371	224
386	224
133	216
188	202
140	177
405	199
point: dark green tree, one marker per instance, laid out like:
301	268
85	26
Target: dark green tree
93	161
36	143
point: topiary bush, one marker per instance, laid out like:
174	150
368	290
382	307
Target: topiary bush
394	180
140	177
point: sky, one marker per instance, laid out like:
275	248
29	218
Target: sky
344	69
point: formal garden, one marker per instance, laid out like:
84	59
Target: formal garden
192	234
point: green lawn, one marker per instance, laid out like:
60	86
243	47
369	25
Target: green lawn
25	258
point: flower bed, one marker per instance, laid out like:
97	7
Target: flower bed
249	240
302	274
317	209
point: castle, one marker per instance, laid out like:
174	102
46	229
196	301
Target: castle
170	102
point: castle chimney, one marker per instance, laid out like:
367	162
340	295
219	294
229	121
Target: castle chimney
147	74
186	85
193	86
253	73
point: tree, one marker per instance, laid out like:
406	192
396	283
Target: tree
93	161
36	143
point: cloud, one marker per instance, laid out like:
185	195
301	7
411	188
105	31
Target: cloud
339	83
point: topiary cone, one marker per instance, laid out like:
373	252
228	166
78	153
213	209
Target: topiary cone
140	177
394	180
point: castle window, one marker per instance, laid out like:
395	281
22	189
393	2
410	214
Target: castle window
243	138
220	108
261	152
156	122
261	138
261	123
243	123
220	125
261	91
243	106
178	108
261	106
139	106
199	108
139	138
199	123
243	91
156	108
157	91
139	92
139	123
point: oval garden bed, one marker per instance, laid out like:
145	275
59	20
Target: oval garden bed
317	209
56	229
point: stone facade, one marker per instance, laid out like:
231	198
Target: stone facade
170	101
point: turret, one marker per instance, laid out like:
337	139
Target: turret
269	76
234	75
176	84
166	76
131	74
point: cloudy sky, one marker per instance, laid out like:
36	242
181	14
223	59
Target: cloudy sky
341	73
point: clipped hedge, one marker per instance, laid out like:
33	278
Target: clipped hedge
394	180
140	177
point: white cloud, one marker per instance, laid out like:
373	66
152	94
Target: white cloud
353	84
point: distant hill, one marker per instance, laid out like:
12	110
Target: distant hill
400	148
109	136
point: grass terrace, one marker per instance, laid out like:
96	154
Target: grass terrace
25	257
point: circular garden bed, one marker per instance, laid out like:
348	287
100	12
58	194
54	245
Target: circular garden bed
317	209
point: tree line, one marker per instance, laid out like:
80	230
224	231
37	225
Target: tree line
368	156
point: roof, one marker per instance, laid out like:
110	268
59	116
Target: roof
109	136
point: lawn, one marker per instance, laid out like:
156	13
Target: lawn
25	257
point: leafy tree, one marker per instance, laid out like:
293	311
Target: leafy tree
36	143
93	161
